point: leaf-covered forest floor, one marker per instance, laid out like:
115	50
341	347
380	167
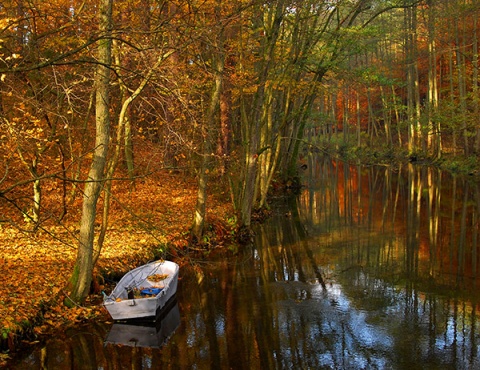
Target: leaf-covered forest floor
144	221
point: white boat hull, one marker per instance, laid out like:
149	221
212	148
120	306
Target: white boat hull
121	307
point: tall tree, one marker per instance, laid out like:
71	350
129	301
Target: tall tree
269	20
475	82
412	84
82	274
434	129
210	125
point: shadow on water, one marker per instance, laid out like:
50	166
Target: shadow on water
368	268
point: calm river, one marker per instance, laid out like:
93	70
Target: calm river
367	268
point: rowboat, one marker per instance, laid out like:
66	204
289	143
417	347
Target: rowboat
143	292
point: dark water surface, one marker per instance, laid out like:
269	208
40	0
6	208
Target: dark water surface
368	268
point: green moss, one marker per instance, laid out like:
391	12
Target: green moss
72	283
5	333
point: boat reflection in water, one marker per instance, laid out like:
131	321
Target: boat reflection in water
153	334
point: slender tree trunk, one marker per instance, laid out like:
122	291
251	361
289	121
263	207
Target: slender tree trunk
265	160
82	274
475	95
371	117
462	89
434	129
37	193
345	114
416	85
223	141
412	79
359	120
198	225
397	116
211	120
387	117
129	148
452	101
34	213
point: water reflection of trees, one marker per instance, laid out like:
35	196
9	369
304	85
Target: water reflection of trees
364	274
427	218
413	231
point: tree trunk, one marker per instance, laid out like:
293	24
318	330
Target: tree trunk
255	120
462	89
359	120
129	148
387	117
395	102
452	101
82	274
476	109
434	134
223	140
37	193
412	79
212	114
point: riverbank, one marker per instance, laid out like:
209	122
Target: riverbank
143	225
453	162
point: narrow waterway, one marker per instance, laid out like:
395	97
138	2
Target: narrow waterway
367	268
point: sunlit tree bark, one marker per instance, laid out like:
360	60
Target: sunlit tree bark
453	118
413	118
257	112
434	129
82	273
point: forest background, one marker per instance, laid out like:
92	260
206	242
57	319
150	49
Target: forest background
118	118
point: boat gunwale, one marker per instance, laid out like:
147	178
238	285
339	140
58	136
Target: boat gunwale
110	302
